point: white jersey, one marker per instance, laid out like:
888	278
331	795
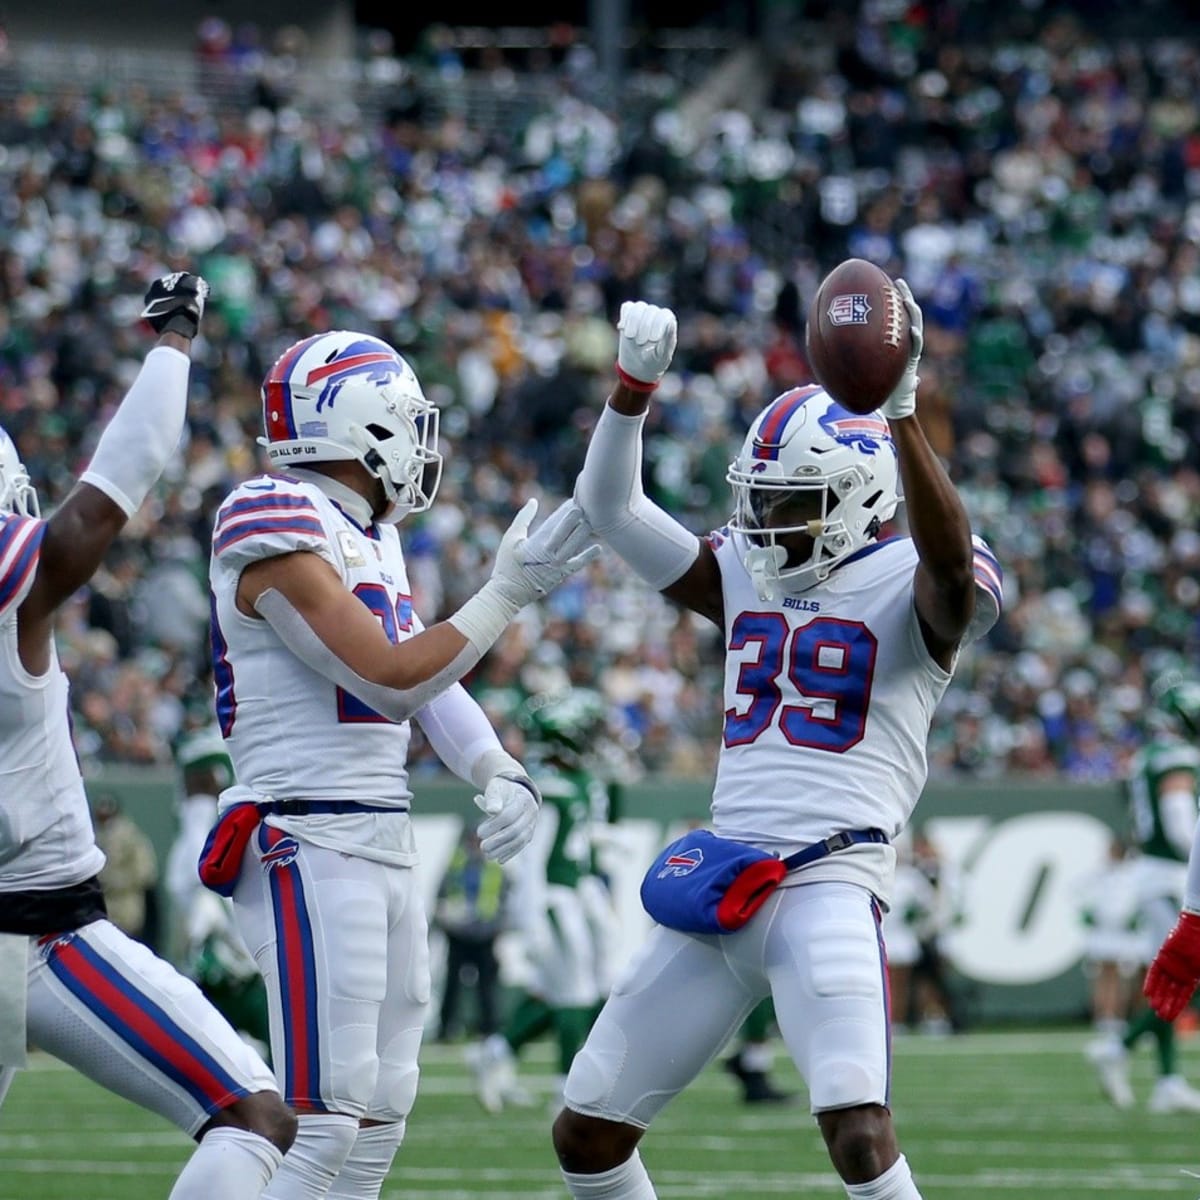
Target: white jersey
829	697
46	836
292	733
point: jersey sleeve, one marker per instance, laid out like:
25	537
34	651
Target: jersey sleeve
989	590
267	517
20	546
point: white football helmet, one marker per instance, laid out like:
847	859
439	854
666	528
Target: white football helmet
345	396
16	492
804	441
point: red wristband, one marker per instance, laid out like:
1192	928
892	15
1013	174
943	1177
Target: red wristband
634	385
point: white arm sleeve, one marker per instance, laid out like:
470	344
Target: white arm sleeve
1178	809
144	431
609	490
1191	894
463	738
396	704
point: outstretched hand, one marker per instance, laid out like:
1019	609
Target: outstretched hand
527	568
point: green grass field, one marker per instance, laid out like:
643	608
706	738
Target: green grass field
990	1116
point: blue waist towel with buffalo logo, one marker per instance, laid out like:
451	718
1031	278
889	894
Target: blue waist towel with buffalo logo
702	883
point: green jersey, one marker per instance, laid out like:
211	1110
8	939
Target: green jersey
1151	765
570	794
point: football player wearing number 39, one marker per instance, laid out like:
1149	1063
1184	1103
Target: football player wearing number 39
319	663
839	647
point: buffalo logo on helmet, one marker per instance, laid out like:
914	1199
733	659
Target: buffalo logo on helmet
869	433
359	358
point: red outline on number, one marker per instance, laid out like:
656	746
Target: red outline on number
762	640
811	669
370	716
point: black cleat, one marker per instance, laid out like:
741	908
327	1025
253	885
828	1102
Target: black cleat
756	1087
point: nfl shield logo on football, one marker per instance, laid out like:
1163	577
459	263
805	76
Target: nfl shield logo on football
849	309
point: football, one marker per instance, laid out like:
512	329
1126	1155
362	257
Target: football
857	335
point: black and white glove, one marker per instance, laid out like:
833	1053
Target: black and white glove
175	303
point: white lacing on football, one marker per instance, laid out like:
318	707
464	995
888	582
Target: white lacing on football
893	310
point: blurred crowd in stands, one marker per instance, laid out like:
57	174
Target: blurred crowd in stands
1040	192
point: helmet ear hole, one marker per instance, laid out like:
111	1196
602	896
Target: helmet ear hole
378	432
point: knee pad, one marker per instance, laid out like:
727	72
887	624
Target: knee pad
395	1093
323	1143
844	1083
352	1076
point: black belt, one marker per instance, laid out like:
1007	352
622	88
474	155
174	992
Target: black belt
310	808
831	845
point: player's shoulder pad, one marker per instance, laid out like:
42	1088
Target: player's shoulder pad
267	516
989	589
20	545
1176	755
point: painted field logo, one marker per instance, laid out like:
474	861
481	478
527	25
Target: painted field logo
682	863
851	308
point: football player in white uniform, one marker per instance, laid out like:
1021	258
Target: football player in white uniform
319	663
839	647
70	980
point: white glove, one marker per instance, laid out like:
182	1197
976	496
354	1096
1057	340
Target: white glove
903	400
526	569
511	803
645	345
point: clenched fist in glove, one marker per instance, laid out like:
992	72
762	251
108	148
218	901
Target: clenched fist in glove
903	400
646	344
1175	971
175	304
511	802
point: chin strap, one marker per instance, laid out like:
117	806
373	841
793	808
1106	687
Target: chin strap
763	564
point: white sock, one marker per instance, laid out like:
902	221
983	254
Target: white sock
321	1147
363	1172
757	1056
496	1047
629	1181
896	1183
232	1163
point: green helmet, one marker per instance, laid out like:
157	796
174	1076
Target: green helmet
1178	699
564	725
205	748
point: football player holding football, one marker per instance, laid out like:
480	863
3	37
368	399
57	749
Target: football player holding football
839	645
319	664
70	981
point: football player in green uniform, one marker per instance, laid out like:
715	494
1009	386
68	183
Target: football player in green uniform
1164	777
556	893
